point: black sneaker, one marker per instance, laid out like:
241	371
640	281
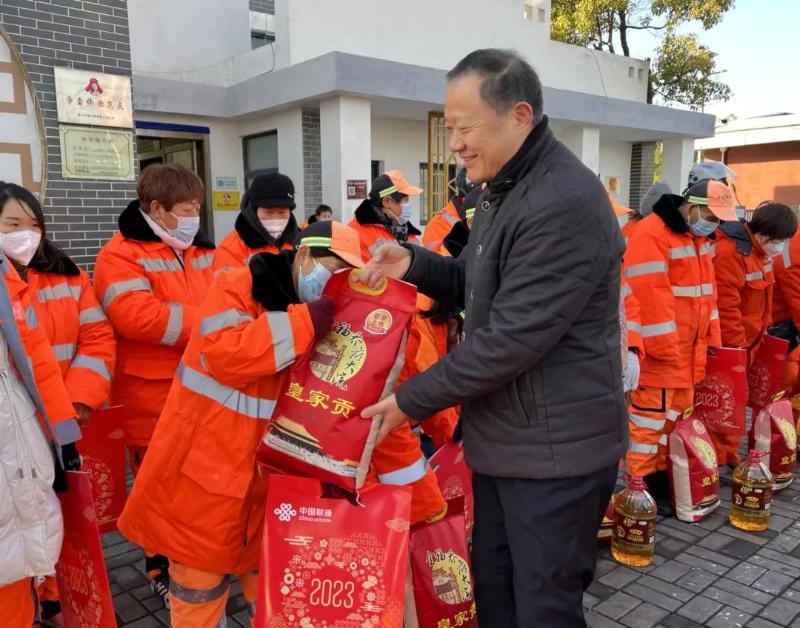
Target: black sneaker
160	586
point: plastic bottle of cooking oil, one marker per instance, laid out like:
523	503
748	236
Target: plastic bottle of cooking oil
751	497
634	540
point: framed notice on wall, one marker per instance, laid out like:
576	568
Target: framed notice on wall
90	153
93	98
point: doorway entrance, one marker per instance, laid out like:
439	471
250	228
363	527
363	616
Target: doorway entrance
165	145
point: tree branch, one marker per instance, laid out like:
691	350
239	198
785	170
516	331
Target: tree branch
623	33
648	28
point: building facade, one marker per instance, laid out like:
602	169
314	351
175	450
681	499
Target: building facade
329	93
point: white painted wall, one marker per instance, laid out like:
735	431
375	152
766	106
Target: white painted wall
432	34
187	39
401	145
615	161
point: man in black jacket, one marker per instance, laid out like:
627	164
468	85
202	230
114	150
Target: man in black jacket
538	376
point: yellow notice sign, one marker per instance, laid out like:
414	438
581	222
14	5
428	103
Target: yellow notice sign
226	201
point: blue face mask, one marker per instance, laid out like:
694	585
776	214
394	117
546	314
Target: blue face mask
310	286
703	228
405	215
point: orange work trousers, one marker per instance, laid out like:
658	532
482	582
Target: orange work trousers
16	604
651	416
197	598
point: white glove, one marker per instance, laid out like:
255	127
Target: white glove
630	379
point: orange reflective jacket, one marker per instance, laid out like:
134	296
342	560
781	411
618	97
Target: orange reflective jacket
633	318
671	274
744	284
151	296
247	240
786	297
373	233
46	373
439	226
198	498
78	330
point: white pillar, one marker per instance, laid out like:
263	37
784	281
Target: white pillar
676	161
584	141
289	125
346	146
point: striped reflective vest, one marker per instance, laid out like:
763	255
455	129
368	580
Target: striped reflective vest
198	498
672	276
79	332
745	284
234	253
151	295
786	296
439	226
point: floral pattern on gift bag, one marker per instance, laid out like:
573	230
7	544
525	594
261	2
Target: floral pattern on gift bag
455	478
765	376
327	563
81	570
721	398
103	458
316	428
441	574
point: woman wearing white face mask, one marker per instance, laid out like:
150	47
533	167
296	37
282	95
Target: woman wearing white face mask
383	217
150	279
264	225
745	281
67	310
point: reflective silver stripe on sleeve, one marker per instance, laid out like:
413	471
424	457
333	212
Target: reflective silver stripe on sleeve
634	326
682	252
623	220
59	291
708	249
714	315
643	448
659	329
768	267
647	268
222	320
626	291
282	339
203	261
662	440
686	291
208	387
406	475
787	258
707	289
158	264
93	364
92	315
174	325
199	596
754	276
138	284
65	351
673	415
30	317
646	422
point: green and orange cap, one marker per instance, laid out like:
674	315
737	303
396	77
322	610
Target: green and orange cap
715	195
337	238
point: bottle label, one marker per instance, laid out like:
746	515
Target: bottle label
634	530
750	498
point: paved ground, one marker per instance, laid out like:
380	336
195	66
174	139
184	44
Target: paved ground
708	574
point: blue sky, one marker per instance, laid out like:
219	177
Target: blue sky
758	44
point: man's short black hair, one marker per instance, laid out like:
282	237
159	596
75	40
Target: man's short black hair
322	208
507	79
774	220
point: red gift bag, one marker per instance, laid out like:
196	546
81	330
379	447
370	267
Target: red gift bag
720	400
103	458
81	570
765	376
693	471
440	569
316	428
455	478
327	562
774	432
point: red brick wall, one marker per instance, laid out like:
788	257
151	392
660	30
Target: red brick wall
764	172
